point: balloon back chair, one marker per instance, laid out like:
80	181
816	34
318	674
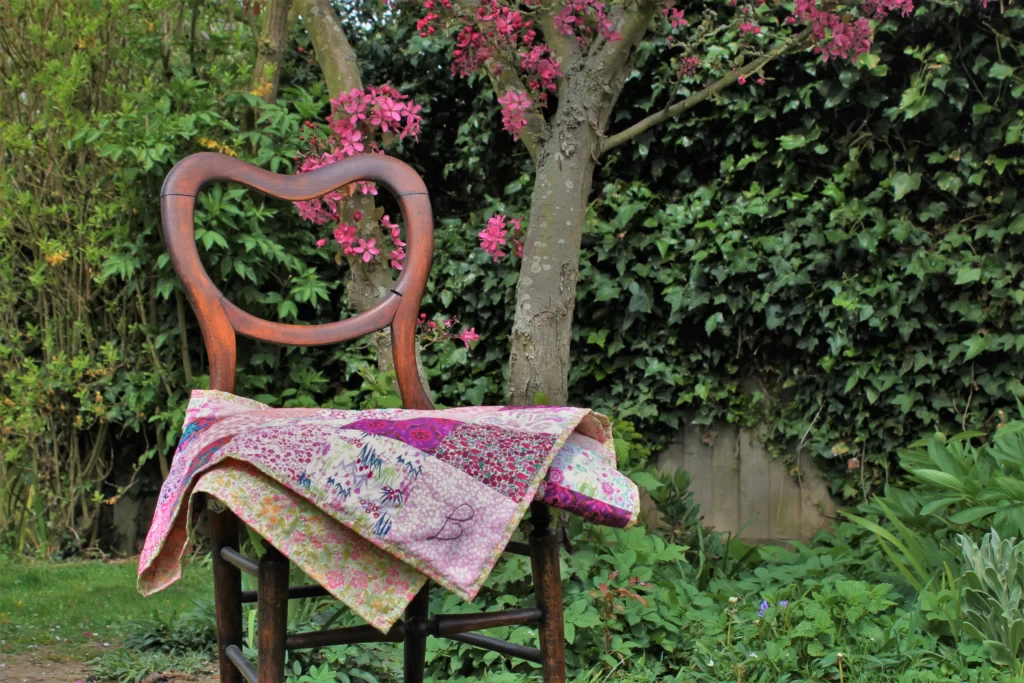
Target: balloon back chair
220	321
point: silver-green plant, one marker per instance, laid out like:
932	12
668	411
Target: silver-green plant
993	597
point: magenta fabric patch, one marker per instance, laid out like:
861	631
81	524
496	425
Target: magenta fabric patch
596	510
423	433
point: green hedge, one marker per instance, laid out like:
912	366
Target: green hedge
846	238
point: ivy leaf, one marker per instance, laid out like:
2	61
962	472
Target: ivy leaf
975	345
711	324
792	141
606	291
1016	226
967	274
1000	71
640	301
905	183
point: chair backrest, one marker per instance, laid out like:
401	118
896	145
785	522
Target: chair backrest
220	319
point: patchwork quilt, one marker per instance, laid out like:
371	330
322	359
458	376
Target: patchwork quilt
372	503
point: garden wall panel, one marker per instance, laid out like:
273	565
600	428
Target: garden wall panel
741	489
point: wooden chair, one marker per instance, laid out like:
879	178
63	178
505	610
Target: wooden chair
220	321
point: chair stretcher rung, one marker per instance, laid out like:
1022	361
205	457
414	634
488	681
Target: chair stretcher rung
243	665
517	548
530	654
232	556
294	593
344	636
445	625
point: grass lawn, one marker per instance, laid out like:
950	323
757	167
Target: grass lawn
81	606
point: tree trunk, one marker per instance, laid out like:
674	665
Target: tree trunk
546	293
333	51
266	76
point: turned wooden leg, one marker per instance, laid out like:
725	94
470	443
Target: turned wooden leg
547	585
416	615
227	591
272	613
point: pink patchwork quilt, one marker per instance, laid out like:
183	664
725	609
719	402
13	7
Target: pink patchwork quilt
371	503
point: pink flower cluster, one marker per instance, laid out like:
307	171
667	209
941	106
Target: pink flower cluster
493	36
358	119
689	65
398	253
514	107
836	37
541	69
581	18
496	235
380	108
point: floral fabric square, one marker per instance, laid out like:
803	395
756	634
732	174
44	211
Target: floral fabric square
507	460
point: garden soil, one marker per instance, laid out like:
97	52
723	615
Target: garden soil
51	666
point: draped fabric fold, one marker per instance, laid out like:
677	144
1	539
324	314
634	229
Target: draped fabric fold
372	503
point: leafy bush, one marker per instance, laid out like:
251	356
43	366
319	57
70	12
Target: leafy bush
952	487
176	633
993	586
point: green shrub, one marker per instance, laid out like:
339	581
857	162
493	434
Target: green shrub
993	589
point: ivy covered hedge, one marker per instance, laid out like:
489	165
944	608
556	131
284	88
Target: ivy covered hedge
845	239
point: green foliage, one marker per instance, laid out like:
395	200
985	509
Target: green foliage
844	239
993	588
952	487
134	666
193	630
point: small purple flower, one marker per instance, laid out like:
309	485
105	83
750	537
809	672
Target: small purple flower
784	603
764	606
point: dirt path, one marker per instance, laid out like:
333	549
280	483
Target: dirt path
36	666
51	666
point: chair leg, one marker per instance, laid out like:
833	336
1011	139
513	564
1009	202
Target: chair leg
416	615
227	591
547	585
272	613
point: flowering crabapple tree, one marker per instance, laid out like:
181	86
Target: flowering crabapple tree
558	68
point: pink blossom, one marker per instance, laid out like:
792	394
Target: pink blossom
367	248
514	106
350	142
345	234
468	335
320	243
492	238
397	256
675	17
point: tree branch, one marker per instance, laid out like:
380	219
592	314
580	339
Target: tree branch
270	45
632	25
671	111
335	55
565	48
